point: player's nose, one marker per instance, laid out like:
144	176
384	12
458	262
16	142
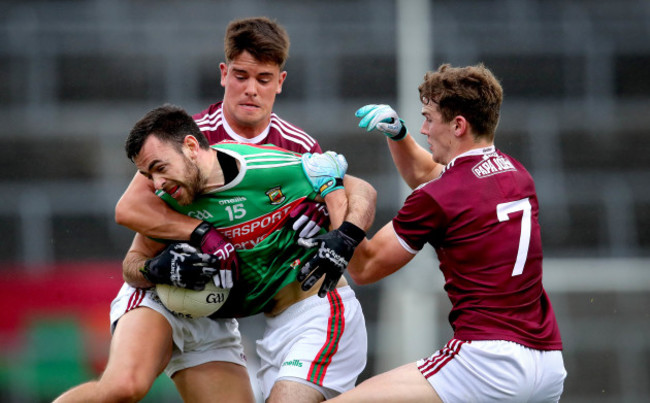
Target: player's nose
251	88
158	182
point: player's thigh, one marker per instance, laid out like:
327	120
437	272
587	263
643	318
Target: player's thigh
215	381
402	384
141	347
290	391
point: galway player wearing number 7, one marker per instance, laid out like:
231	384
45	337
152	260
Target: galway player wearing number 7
478	208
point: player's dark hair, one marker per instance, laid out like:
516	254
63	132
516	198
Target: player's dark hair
472	92
266	40
169	123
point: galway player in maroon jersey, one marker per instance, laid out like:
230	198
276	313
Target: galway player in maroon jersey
478	208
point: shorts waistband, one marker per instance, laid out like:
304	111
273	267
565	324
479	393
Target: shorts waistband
346	293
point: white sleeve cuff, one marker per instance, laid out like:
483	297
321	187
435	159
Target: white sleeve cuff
405	245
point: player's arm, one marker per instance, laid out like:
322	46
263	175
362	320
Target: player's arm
140	210
348	198
378	257
414	163
356	203
326	172
142	249
179	264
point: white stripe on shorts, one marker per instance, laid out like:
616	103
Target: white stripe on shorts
136	299
430	366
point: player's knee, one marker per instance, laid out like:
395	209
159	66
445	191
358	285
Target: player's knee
126	388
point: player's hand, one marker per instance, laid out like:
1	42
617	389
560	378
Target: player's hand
181	265
335	249
308	218
382	118
325	171
213	242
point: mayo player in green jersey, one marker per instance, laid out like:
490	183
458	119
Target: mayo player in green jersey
266	183
314	347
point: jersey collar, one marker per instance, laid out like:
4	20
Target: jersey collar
255	140
484	151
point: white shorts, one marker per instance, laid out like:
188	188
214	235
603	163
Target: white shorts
321	342
494	371
196	341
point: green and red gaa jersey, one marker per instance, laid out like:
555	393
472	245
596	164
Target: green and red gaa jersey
252	210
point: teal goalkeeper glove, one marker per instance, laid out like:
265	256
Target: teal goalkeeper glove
383	118
325	171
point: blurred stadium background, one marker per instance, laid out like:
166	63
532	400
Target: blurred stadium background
76	75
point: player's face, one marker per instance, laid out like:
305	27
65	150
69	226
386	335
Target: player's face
170	170
440	134
250	90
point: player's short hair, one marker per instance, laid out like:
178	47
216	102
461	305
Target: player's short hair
472	92
169	123
265	39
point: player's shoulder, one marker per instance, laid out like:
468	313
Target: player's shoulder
455	180
252	148
283	125
211	113
292	137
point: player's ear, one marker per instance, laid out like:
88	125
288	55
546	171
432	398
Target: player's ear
281	78
191	144
223	72
460	125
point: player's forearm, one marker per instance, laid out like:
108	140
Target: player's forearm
337	207
358	267
131	273
140	210
142	248
378	257
414	164
362	202
356	203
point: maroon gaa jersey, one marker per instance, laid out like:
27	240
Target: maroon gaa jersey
280	132
481	216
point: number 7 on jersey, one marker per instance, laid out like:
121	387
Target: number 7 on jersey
503	209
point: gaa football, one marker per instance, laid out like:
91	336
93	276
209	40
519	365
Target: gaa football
193	303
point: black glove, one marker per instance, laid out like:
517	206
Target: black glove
181	265
335	250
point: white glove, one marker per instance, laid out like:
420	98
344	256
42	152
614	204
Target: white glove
325	171
383	118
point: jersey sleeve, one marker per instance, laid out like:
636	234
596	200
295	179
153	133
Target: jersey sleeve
316	149
419	221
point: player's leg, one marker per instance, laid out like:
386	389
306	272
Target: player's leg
289	391
403	384
214	382
318	344
140	348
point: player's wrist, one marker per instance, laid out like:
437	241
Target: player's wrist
352	231
196	237
330	186
403	131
